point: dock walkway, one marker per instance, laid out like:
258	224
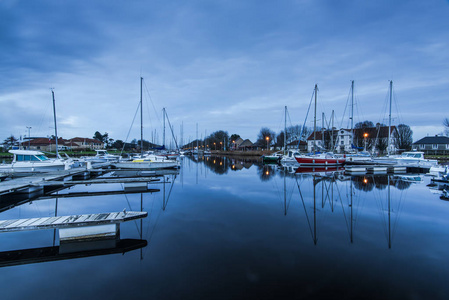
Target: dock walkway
70	221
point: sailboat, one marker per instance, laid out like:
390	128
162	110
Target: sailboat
356	156
315	158
147	161
25	161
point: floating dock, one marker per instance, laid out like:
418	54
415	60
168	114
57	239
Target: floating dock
375	169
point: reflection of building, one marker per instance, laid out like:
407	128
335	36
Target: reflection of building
432	145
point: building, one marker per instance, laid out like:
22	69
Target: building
346	141
432	145
79	143
246	145
75	144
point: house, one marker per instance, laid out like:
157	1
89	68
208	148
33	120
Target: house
235	144
246	145
346	141
46	144
294	145
432	145
79	143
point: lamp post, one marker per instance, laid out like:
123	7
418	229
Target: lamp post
215	146
365	135
29	135
221	145
268	139
233	145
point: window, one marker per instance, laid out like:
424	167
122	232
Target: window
422	146
435	146
342	142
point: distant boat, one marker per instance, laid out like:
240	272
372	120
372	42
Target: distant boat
102	156
318	159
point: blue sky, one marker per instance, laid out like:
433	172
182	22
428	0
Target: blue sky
226	65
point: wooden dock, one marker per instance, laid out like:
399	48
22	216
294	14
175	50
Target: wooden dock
70	221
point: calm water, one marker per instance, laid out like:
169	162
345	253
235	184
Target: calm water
230	229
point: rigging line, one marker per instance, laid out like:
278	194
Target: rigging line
171	129
344	112
129	204
171	187
152	103
400	119
305	120
344	212
129	131
305	209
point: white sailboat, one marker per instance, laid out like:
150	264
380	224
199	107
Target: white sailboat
150	161
25	161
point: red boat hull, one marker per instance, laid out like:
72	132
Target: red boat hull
317	161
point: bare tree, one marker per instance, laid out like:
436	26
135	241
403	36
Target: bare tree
446	126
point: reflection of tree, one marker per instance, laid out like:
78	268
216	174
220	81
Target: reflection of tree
402	185
222	164
368	183
363	183
217	164
266	172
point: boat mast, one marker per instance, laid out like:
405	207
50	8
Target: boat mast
163	135
54	117
314	121
141	118
352	109
389	117
285	131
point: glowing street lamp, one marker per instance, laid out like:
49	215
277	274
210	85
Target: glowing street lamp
215	146
268	139
365	135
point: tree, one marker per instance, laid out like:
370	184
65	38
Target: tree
359	138
232	139
446	125
403	137
264	134
10	141
118	144
217	139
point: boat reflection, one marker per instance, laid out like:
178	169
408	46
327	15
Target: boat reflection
321	194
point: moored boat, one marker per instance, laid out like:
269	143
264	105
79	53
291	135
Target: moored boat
33	161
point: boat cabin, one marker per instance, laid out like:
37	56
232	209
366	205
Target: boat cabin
28	155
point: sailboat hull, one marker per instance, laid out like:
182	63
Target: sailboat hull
319	161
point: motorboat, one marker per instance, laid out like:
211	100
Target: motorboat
102	156
34	161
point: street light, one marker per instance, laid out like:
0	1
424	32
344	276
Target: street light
29	139
221	145
365	135
215	146
268	139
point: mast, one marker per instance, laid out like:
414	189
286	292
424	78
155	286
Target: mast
285	131
314	121
352	108
54	117
163	135
141	118
389	117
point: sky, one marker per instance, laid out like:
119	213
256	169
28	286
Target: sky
229	65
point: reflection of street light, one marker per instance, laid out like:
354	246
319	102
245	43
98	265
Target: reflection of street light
267	138
365	135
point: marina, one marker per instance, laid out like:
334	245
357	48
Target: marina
231	220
